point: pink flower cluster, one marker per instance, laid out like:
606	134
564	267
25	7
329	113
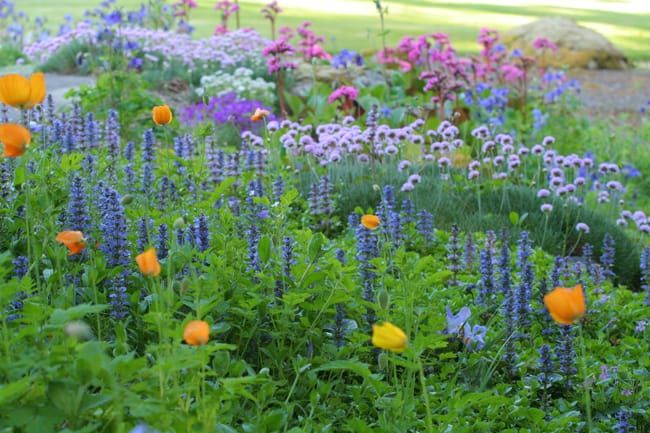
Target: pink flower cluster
277	55
226	7
544	44
346	94
271	10
310	44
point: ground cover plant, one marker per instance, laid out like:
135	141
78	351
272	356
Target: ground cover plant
238	233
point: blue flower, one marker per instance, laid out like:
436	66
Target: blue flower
135	63
630	171
455	322
385	111
346	58
113	18
474	335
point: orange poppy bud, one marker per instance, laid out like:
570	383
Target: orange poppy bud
73	240
20	92
370	222
197	333
259	114
162	115
148	263
389	337
14	139
566	305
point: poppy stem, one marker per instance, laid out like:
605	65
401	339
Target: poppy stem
586	385
31	254
425	396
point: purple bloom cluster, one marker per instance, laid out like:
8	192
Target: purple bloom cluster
78	214
114	229
226	109
454	254
233	48
367	249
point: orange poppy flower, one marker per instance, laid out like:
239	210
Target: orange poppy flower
259	115
148	263
73	240
162	115
370	221
196	333
37	89
20	92
14	139
566	305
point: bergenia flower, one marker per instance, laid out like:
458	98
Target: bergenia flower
347	95
544	43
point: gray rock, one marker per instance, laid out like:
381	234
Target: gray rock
305	75
578	46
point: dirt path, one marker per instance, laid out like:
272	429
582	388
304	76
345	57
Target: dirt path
609	93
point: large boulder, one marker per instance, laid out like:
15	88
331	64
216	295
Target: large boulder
305	74
578	46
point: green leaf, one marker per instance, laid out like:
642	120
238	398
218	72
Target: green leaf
19	175
295	298
14	390
71	162
354	366
315	245
289	197
514	218
61	317
264	249
523	218
222	428
368	101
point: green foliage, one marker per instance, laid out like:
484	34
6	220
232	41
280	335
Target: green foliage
473	209
9	55
66	59
125	92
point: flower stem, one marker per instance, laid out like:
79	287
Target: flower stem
587	390
425	396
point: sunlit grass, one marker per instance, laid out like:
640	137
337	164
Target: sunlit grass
354	23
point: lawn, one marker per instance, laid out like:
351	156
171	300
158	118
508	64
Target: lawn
354	23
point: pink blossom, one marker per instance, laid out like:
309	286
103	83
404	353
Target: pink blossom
544	43
276	53
347	95
511	72
317	52
220	30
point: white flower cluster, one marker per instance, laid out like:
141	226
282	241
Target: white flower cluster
241	82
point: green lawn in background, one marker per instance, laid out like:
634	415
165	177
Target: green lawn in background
354	23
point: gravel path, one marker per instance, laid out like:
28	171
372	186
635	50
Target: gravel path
605	93
609	93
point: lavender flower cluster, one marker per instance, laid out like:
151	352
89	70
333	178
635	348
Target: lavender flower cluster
233	48
224	109
499	158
